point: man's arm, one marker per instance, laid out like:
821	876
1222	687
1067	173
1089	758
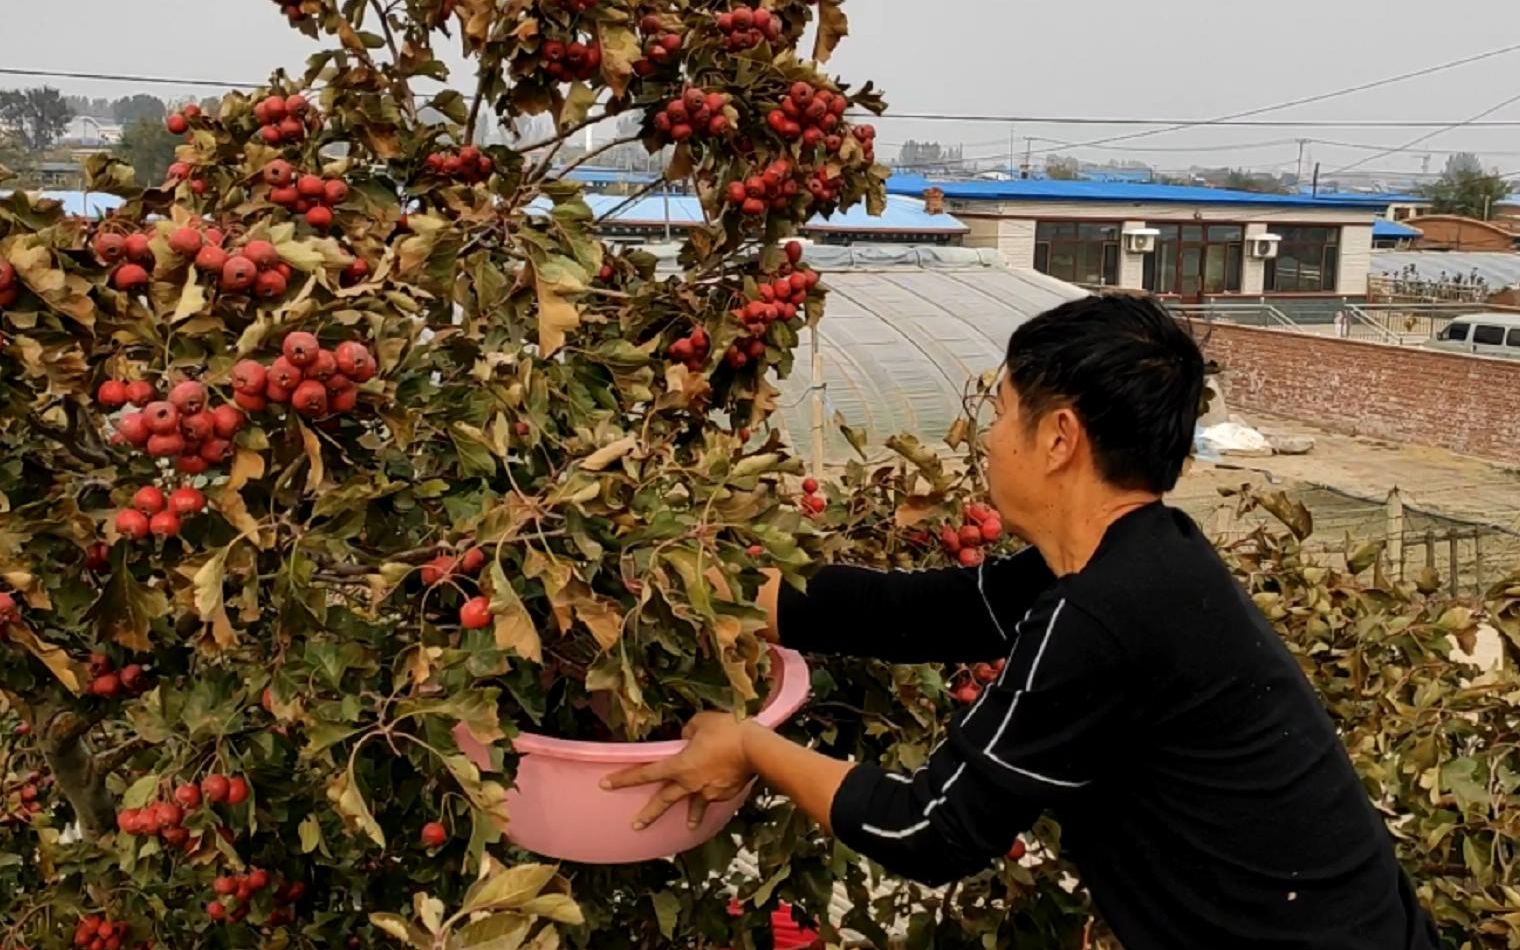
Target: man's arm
940	616
1047	728
1054	721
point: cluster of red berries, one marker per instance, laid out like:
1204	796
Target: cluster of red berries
235	891
774	187
189	240
131	255
107	682
973	678
166	819
9	613
313	380
152	513
782	295
564	62
661	46
475	613
744	27
981	526
96	932
467	165
285	118
309	195
183	427
445	566
694	112
9	288
256	267
178	123
808	113
812	502
866	135
28	798
184	171
691	349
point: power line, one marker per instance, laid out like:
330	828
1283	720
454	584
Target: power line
1186	123
1429	135
115	77
1306	100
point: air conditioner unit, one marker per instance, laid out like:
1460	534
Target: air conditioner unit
1263	247
1140	240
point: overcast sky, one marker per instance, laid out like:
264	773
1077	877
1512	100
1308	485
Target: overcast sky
1099	58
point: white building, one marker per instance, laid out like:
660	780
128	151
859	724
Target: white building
1186	243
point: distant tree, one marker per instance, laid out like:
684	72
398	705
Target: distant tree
1466	189
149	148
1060	168
39	116
130	109
1241	180
915	154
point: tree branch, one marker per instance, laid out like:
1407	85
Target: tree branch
109	762
78	775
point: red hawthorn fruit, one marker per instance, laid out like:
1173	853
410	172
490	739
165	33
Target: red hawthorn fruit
131	523
165	524
249	376
140	392
210	259
188	795
434	834
189	397
149	500
166	445
112	394
300	348
262	253
475	614
355	361
215	788
472	561
226	421
238	273
970	557
237	790
186	501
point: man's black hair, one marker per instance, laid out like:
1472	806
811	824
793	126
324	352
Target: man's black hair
1132	373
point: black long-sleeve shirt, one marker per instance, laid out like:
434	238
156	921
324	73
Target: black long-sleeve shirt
1200	785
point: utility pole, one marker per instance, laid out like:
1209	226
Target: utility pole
1010	150
1028	156
1298	174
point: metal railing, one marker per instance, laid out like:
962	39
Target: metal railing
1248	314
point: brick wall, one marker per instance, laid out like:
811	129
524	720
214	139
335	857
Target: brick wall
1466	404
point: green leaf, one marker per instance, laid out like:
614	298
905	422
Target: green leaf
559	908
508	888
667	911
398	927
497	932
349	801
311	836
1462	778
140	792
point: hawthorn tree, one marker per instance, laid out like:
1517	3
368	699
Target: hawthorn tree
349	432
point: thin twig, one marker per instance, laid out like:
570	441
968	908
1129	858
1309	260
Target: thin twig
485	72
630	199
560	137
625	140
108	762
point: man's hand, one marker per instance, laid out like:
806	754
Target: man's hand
712	768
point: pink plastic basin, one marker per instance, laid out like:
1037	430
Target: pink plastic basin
558	808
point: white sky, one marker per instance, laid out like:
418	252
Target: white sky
1167	58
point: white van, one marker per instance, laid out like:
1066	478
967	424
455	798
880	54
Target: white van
1487	334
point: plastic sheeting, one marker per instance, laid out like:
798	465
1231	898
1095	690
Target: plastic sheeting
904	330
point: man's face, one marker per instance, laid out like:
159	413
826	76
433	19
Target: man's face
1017	474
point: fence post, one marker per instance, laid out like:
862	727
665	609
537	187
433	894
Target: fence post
1396	531
1430	549
1478	561
1451	540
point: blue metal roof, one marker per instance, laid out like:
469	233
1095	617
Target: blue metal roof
594	175
902	214
1049	190
1383	228
1373	199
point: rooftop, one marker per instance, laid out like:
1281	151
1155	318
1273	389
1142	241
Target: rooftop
1383	228
1499	269
1051	190
902	214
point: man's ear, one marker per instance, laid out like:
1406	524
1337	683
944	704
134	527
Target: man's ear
1061	438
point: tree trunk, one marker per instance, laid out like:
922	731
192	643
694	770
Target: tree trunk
74	769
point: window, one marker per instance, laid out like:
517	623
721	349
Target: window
1488	336
1194	259
1077	251
1306	262
1456	331
1514	338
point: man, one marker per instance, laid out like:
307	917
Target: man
1201	788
